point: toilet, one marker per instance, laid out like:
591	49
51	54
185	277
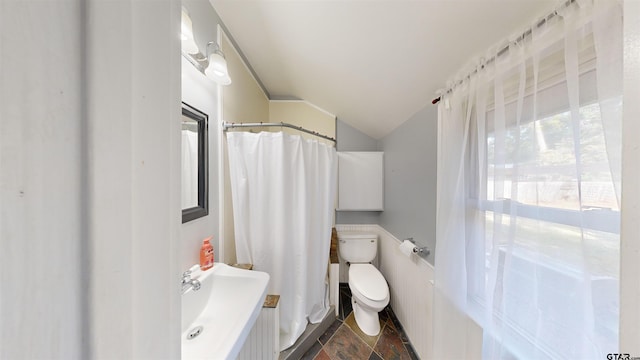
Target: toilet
369	289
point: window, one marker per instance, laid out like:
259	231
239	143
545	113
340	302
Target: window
550	208
528	193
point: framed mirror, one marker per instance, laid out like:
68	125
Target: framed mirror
195	168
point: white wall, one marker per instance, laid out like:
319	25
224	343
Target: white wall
42	182
89	179
203	94
133	112
630	232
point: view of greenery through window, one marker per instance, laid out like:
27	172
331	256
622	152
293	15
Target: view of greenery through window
540	159
552	258
540	156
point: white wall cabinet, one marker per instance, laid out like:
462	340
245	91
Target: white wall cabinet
360	181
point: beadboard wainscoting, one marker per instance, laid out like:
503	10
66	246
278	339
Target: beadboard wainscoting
410	282
263	341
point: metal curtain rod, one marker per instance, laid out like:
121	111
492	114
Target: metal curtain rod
227	126
505	49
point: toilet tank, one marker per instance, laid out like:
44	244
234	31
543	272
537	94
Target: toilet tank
357	247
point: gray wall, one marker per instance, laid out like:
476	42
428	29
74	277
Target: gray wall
350	139
410	179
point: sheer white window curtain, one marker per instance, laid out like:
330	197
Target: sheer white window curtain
529	193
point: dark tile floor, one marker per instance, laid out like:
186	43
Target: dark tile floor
345	341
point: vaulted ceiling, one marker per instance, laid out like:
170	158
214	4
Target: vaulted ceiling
372	63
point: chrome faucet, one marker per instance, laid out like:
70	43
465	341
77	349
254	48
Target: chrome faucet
188	283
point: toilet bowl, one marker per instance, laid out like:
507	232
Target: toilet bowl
369	290
369	295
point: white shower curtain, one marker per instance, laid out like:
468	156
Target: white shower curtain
283	191
528	213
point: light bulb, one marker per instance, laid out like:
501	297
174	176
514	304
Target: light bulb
217	69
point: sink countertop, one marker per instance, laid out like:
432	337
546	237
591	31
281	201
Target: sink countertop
231	300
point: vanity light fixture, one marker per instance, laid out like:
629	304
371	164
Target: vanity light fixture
217	69
213	65
186	34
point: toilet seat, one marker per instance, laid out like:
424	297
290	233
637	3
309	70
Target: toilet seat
369	282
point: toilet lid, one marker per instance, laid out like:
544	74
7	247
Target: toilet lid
368	281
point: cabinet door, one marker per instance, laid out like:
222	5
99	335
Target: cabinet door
360	181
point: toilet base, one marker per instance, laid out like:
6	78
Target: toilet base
367	320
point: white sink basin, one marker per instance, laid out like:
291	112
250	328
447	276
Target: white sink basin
224	310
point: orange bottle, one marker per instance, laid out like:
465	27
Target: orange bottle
206	254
